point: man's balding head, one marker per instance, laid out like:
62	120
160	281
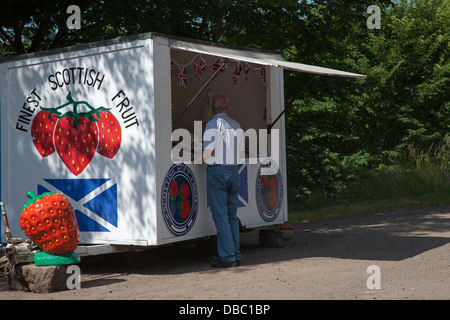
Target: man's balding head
219	103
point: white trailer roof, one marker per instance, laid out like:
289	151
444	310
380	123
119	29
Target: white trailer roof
248	55
274	60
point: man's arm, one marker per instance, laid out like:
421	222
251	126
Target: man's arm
208	153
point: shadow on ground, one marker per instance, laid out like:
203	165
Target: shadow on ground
390	236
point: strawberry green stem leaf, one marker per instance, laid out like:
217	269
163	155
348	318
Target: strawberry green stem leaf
76	117
34	198
74	112
86	104
69	98
97	111
89	116
31	195
103	109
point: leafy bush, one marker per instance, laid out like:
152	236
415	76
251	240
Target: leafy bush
385	137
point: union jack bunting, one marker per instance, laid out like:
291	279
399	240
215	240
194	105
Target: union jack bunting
171	67
262	76
246	70
237	73
182	76
199	68
216	65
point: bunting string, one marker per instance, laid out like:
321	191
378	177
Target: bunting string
200	66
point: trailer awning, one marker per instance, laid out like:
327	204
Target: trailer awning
267	59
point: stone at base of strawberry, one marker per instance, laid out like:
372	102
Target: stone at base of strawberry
46	259
39	279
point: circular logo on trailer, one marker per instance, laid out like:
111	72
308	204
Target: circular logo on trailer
179	199
269	191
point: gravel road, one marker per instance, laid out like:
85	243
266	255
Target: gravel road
328	260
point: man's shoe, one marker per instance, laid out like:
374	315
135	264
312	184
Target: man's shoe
221	264
238	263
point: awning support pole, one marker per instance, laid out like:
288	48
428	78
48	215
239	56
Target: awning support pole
200	91
270	126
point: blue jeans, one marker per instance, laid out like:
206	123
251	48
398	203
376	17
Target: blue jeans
223	187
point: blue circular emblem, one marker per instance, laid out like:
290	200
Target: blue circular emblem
179	199
269	192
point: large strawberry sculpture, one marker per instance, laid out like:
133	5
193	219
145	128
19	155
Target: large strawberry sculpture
75	135
49	221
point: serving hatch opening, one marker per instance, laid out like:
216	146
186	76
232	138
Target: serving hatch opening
201	70
197	77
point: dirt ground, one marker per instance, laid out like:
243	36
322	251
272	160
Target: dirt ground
328	260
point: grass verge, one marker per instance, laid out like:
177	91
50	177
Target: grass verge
423	178
357	209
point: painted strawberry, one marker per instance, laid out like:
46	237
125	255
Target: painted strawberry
42	133
109	134
273	183
76	146
49	221
76	136
264	181
185	191
273	198
185	209
185	205
173	190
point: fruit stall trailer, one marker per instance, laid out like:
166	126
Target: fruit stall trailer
97	123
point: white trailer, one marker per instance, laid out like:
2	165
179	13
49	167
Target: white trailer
119	172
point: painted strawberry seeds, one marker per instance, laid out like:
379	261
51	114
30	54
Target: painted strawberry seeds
76	136
49	221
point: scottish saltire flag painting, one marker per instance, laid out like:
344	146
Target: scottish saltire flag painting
243	187
94	201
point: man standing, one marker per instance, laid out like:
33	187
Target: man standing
223	151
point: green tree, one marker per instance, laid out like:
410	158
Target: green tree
340	127
32	25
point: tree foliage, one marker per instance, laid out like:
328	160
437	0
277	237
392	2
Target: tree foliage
33	25
347	126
